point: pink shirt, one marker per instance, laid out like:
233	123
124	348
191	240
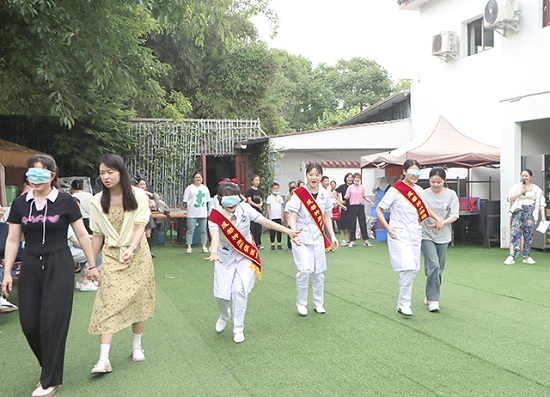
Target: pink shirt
355	193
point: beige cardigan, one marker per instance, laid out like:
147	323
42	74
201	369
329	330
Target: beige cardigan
100	225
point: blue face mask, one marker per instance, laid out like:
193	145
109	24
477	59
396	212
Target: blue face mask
230	201
356	182
275	193
413	172
38	175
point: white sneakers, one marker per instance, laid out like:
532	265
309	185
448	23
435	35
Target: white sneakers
50	391
529	260
510	260
6	306
433	306
367	243
302	310
238	337
351	244
102	367
220	325
320	310
90	286
344	243
137	354
405	310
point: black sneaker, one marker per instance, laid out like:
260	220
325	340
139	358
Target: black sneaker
272	248
279	247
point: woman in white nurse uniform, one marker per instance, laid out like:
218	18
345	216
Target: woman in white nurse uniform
310	257
407	211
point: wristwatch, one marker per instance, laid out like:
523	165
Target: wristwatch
134	248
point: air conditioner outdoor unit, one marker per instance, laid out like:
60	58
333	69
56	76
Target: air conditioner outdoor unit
501	14
445	44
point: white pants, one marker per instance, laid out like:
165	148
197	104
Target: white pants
240	299
317	286
406	279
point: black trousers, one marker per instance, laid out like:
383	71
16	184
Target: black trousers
46	286
256	230
272	233
357	212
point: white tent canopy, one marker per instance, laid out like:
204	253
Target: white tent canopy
441	145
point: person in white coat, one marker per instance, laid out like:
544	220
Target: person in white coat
405	230
526	202
310	257
234	271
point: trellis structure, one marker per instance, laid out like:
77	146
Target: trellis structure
167	151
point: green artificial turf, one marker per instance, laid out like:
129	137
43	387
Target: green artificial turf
491	337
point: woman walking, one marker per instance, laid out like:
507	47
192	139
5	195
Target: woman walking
407	209
237	262
195	199
443	202
47	276
310	210
526	201
126	295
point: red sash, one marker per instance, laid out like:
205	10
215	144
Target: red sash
237	240
412	197
314	211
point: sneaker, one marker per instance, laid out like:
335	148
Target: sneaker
137	354
279	247
433	306
509	260
351	244
290	250
205	250
6	306
238	337
189	250
90	286
344	243
77	285
320	310
261	247
426	301
367	243
102	367
529	260
50	391
302	310
405	310
153	255
272	248
220	325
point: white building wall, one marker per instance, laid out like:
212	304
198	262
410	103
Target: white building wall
486	96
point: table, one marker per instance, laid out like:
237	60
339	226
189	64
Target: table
461	226
176	218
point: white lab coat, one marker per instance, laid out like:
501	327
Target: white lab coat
310	256
234	263
405	248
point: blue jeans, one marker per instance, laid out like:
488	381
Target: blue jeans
191	224
434	264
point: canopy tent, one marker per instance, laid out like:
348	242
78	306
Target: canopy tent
12	156
441	145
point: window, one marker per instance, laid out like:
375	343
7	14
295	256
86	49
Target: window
480	38
546	13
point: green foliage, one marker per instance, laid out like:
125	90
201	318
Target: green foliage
330	118
402	84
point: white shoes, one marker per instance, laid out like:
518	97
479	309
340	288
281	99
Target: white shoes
137	355
90	286
302	310
102	367
510	260
189	250
433	306
6	306
50	391
344	243
529	260
351	244
238	337
405	310
320	310
220	325
367	243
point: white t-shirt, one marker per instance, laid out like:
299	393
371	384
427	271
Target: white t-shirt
85	202
197	198
275	203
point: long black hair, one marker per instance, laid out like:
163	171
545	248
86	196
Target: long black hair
129	202
47	162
